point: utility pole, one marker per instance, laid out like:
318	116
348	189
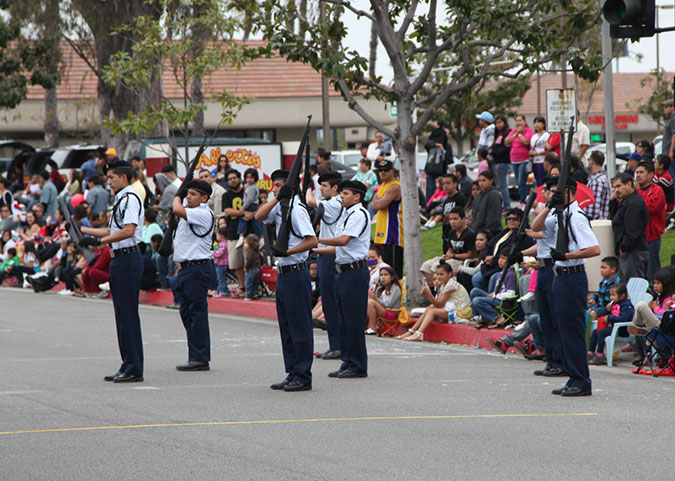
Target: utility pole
325	107
608	85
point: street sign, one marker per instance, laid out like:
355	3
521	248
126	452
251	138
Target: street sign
393	109
561	106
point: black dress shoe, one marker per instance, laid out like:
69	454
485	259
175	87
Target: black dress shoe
348	373
124	377
280	385
295	385
554	372
559	390
334	354
534	357
193	366
575	391
111	377
318	323
336	373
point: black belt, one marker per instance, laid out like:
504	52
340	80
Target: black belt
545	262
562	271
184	264
300	266
351	266
123	250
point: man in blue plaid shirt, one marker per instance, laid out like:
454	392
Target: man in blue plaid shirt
599	184
597	303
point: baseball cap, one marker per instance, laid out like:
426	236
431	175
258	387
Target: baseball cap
384	165
487	116
111	151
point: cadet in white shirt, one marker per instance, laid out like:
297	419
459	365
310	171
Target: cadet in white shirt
351	246
293	290
330	212
193	255
124	233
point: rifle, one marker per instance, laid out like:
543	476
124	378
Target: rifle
520	235
74	231
562	240
166	246
307	178
281	245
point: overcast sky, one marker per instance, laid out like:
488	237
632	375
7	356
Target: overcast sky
359	38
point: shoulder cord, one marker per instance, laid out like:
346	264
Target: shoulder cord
207	233
363	211
290	218
337	218
113	217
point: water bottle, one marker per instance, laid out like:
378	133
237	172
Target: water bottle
451	317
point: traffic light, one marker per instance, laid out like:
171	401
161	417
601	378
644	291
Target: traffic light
630	18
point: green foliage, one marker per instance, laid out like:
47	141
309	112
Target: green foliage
25	49
190	41
661	90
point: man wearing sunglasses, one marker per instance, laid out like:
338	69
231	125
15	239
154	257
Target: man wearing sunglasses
389	220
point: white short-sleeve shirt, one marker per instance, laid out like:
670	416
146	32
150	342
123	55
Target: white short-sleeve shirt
301	228
330	221
127	209
581	235
355	222
545	245
188	245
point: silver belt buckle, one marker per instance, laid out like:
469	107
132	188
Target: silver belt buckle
338	268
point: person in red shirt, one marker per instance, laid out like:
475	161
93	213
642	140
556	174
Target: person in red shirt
656	207
553	144
97	273
663	179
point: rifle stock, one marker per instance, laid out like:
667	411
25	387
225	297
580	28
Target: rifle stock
74	231
293	182
166	246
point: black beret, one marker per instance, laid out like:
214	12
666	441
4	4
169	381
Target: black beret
549	181
571	183
116	164
328	176
200	186
384	165
354	185
280	174
168	168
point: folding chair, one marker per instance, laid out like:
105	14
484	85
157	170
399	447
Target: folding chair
636	286
659	339
508	306
390	328
615	335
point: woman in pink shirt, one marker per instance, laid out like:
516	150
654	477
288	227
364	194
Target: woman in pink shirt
519	141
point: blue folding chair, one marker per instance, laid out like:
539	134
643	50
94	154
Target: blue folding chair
616	334
659	339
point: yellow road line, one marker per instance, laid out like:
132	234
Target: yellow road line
288	421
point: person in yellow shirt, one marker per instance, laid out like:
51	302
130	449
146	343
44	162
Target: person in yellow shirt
389	218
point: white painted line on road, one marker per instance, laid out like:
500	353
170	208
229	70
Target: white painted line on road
20	392
147	388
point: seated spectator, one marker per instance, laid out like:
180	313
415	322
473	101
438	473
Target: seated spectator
468	208
375	263
384	300
11	261
155	242
6	218
645	314
30	228
29	265
466	272
597	303
97	273
484	303
451	298
532	350
453	198
620	309
433	202
504	239
7	243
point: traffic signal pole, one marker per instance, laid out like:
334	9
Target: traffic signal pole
610	157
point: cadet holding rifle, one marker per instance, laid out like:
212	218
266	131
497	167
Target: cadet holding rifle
293	290
124	233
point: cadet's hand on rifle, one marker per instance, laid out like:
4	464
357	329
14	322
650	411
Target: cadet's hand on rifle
279	252
89	242
285	192
557	255
557	199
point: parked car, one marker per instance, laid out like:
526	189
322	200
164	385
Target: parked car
64	158
349	158
10	150
345	171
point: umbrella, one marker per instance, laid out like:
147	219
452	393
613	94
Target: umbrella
584	196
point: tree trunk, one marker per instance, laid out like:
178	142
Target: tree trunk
51	124
413	254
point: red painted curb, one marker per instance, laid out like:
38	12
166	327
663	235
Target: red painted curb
463	334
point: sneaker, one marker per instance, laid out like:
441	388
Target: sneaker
424	218
105	286
590	355
530	296
66	292
598	360
100	295
498	345
431	224
370	332
522	348
240	243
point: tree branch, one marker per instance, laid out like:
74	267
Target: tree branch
356	107
409	17
348	6
80	53
385	30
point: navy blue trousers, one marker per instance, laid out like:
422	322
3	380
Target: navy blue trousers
329	303
192	285
570	313
549	325
294	310
352	293
125	285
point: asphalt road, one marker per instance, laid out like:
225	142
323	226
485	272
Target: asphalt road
426	412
